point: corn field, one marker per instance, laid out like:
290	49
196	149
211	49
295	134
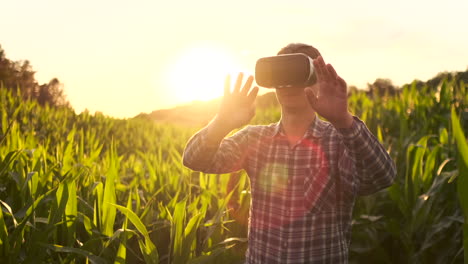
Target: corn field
86	188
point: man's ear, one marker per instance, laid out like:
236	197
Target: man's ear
315	89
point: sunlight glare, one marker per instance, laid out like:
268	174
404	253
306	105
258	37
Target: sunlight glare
199	72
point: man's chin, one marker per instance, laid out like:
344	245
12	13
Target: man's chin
291	95
293	101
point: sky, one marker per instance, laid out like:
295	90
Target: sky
123	58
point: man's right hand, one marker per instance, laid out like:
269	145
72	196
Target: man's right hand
237	107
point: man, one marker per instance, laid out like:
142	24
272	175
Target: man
305	173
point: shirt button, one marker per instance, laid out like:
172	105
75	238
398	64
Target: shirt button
289	181
285	244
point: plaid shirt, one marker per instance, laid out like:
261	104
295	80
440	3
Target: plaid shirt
302	196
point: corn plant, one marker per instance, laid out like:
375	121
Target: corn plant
87	188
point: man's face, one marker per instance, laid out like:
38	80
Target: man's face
294	97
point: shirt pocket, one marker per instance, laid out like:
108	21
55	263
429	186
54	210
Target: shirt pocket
319	189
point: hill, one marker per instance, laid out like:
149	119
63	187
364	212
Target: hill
199	113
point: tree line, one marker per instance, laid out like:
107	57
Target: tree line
18	76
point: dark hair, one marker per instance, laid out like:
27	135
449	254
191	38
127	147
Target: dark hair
300	48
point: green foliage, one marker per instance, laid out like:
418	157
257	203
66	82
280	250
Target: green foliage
418	216
64	177
90	188
462	178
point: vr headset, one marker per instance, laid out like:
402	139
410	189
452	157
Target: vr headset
283	71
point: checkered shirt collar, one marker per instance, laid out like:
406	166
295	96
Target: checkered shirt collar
315	129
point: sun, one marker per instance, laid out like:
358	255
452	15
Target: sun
198	73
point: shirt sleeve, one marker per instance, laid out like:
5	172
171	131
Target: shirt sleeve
374	168
228	156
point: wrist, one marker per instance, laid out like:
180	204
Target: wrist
216	131
222	125
345	122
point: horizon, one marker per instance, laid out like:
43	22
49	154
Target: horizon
123	59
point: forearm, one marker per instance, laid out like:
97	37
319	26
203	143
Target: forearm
216	131
374	167
202	146
210	151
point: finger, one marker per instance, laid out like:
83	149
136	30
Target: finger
318	70
343	86
332	72
252	95
238	83
311	97
325	74
319	64
227	85
247	86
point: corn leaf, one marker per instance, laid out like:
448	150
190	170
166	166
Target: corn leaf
88	255
462	180
147	248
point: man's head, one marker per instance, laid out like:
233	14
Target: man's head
294	96
300	48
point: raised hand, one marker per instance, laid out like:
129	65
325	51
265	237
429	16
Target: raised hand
332	99
237	107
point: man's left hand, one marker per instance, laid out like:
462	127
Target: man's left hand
332	99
